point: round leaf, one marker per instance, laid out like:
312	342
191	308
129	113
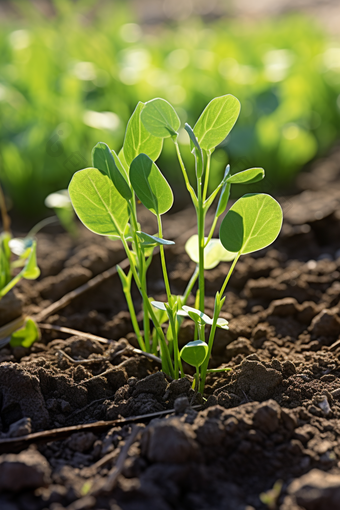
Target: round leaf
247	176
214	252
150	185
160	118
194	353
252	223
97	202
139	140
216	121
148	240
104	160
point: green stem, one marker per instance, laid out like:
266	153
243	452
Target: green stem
141	271
205	364
185	175
164	269
200	221
190	285
42	224
134	321
211	233
166	360
229	274
206	179
172	321
11	284
197	378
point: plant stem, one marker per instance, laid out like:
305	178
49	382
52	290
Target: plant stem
211	233
200	222
190	285
229	274
165	355
164	269
205	364
134	321
42	224
206	179
141	271
185	175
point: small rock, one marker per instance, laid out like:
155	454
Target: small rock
20	428
26	470
326	323
317	490
324	406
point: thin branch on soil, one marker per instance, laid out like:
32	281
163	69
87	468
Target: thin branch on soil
79	411
109	484
126	350
47	436
70	331
82	361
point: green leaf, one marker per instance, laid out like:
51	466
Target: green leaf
214	252
31	270
216	121
252	223
194	353
194	314
199	317
160	118
247	176
139	140
225	193
150	185
148	240
105	161
26	335
97	202
192	136
159	305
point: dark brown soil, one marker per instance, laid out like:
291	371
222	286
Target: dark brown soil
275	416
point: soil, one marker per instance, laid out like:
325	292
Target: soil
274	417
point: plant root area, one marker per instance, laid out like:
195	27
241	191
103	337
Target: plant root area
274	418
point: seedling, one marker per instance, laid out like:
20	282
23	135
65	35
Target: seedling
104	198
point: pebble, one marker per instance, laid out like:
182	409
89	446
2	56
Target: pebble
316	490
324	406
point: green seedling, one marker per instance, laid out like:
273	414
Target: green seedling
194	353
11	272
104	197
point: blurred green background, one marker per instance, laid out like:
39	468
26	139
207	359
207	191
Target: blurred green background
72	77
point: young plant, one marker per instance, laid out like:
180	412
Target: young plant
104	198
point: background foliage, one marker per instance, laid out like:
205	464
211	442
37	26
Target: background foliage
69	81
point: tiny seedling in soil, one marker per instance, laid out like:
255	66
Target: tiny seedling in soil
18	260
104	198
